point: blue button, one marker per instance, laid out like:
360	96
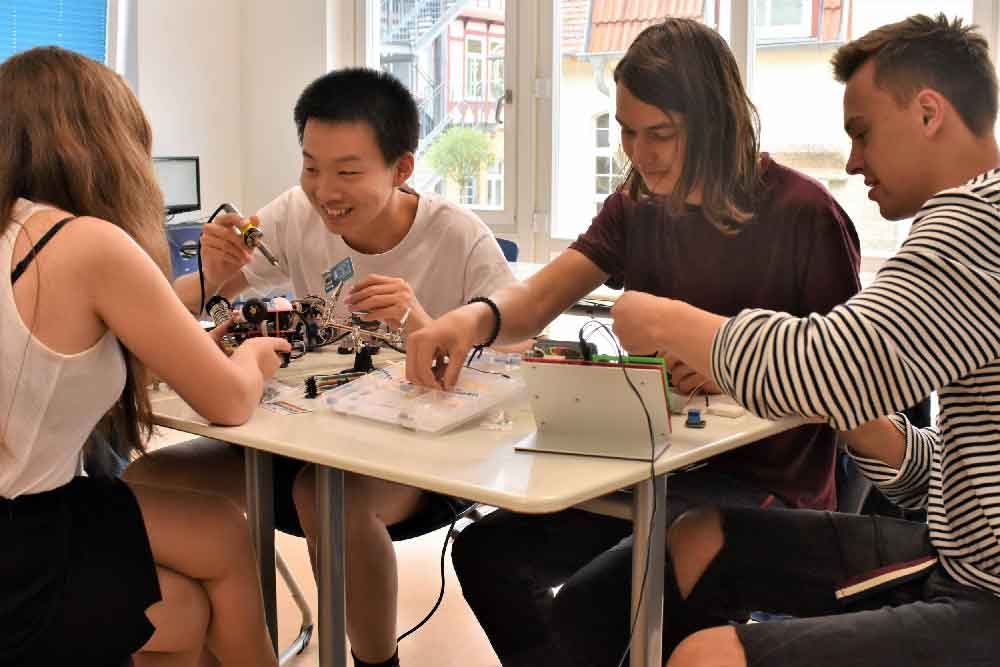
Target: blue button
694	419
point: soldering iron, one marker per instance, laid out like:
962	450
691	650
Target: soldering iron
252	236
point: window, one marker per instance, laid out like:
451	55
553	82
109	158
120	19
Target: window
494	184
455	64
453	56
593	36
609	163
601	137
806	131
469	191
496	69
78	25
561	78
784	19
473	68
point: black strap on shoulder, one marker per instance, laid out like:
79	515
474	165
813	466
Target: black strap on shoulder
23	264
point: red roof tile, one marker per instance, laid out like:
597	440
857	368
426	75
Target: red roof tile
615	23
575	14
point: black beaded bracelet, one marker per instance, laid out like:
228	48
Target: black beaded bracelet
496	320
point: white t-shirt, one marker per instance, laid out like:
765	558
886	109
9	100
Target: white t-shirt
448	256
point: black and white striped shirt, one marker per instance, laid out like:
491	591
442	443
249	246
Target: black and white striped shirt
930	320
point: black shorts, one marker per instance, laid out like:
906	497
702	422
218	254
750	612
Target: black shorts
862	590
76	576
436	511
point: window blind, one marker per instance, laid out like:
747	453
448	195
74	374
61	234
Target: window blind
77	25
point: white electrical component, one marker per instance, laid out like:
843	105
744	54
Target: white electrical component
725	409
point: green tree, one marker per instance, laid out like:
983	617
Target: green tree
461	153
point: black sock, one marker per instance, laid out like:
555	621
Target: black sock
391	662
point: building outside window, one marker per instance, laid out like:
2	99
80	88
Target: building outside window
784	19
496	69
795	40
805	131
473	68
452	54
609	162
467	44
469	191
494	184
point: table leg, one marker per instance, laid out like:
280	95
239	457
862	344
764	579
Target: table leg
330	548
647	640
260	514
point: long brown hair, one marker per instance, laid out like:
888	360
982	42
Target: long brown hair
683	66
73	135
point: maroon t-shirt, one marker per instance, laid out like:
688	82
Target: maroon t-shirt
799	254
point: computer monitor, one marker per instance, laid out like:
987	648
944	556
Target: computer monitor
180	183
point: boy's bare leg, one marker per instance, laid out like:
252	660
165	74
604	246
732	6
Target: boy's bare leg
372	582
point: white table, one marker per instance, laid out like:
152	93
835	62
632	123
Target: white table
469	462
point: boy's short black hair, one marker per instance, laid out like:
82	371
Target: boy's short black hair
360	94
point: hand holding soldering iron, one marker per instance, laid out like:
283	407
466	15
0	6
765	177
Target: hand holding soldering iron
227	245
253	238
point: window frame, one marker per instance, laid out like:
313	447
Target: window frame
469	58
602	153
470	191
494	184
737	21
800	31
491	68
531	67
353	40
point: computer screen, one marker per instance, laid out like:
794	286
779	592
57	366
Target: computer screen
179	181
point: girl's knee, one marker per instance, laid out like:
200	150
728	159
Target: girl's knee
225	523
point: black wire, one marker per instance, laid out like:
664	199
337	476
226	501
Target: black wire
468	364
437	603
201	272
652	475
332	340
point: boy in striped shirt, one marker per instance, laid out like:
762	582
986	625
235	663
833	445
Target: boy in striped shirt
920	108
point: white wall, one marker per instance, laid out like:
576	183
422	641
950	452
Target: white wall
284	48
576	177
189	86
219	80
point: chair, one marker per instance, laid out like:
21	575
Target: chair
509	249
441	512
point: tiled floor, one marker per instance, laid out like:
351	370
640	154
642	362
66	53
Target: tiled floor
452	638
